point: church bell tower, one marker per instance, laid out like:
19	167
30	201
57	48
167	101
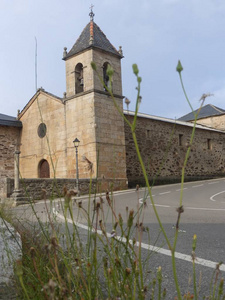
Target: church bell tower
90	113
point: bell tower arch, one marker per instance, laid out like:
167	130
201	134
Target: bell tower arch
90	113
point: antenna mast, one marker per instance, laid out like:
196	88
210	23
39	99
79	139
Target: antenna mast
36	63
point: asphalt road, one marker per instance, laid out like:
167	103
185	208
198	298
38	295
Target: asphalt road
204	215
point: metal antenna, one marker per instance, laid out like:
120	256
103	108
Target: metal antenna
36	63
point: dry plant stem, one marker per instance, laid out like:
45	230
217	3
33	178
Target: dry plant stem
23	287
68	237
39	277
133	126
192	137
165	155
149	189
49	150
75	228
54	182
182	184
95	251
50	154
39	221
220	291
49	217
8	229
194	279
139	232
211	283
216	281
33	210
90	222
53	263
185	94
157	216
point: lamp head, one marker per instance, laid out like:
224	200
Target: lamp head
76	143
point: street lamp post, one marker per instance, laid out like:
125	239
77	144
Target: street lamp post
76	143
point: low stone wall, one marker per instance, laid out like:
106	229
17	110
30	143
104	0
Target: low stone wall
39	188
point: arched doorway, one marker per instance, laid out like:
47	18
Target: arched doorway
43	169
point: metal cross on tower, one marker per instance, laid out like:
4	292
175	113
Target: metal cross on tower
91	14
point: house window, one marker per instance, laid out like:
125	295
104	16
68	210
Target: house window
79	79
209	144
147	133
105	76
181	139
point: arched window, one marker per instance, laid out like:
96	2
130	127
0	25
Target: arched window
105	76
43	169
79	79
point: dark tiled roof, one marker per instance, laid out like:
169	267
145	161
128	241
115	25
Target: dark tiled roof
172	121
9	121
206	111
99	40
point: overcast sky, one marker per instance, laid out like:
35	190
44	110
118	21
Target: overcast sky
153	33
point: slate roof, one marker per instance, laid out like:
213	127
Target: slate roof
206	111
9	121
99	40
175	122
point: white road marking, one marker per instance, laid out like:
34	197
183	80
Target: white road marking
181	189
141	199
212	197
192	208
165	193
205	208
160	205
213	182
194	186
200	261
118	193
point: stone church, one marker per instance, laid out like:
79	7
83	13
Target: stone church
44	130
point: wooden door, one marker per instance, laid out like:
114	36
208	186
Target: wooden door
44	169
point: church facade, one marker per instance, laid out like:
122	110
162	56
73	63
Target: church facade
46	127
87	112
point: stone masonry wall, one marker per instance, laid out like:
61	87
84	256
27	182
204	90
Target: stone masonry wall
9	137
163	147
110	138
39	188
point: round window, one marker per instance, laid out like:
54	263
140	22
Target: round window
42	130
